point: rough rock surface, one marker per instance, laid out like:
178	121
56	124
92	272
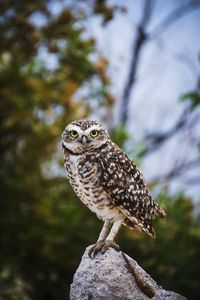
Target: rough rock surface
111	276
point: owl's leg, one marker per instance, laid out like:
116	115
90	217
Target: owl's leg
104	231
109	241
102	236
114	230
102	245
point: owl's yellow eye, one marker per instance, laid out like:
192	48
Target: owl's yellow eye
74	134
94	133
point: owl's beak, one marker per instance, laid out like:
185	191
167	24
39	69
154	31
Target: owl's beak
83	139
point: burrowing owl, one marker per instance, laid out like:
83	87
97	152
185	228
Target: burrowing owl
107	181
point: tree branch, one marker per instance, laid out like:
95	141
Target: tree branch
193	180
177	170
141	37
138	43
156	139
174	17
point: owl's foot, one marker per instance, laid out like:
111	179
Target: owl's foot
102	247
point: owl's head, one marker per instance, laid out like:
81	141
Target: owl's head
84	135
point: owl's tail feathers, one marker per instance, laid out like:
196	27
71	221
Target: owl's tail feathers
146	228
159	212
132	225
150	231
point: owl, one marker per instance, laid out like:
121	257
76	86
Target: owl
108	182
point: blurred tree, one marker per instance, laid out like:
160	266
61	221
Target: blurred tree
39	219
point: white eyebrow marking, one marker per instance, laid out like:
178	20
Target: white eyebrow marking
93	127
71	127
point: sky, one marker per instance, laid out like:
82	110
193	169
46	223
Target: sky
168	68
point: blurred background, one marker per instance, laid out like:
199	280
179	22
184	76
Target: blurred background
134	66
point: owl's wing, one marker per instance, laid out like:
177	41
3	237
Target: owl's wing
122	180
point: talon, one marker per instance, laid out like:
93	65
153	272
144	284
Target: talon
109	244
95	249
102	246
90	252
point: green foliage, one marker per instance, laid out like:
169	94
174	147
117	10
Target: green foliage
193	97
119	135
170	258
40	237
140	151
12	287
107	11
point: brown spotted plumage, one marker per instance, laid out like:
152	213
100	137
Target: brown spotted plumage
107	181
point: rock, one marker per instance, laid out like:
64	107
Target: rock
115	276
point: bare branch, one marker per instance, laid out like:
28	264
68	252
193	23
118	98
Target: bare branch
177	170
174	17
138	43
193	181
156	139
141	37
